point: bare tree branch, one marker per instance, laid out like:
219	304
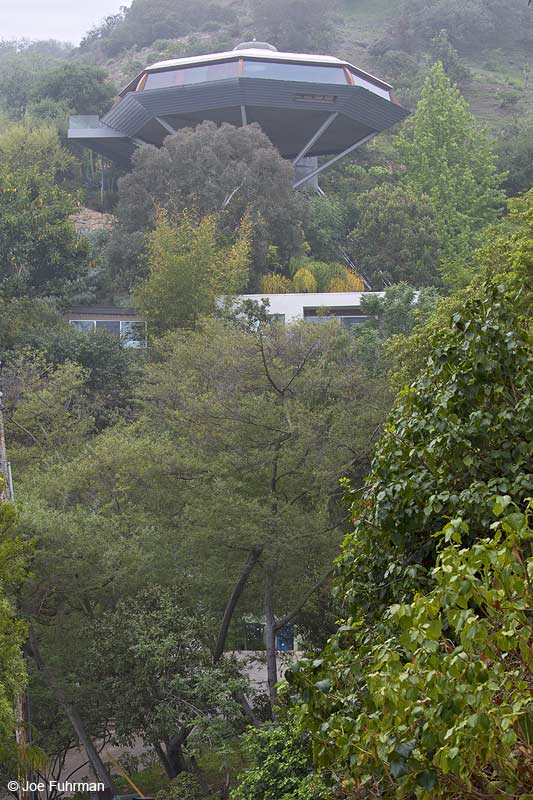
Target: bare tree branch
238	589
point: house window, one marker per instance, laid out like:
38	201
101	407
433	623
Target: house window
82	324
372	87
111	325
308	73
350	322
187	76
254	637
131	332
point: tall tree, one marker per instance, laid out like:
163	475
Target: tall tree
396	238
229	478
40	252
449	158
83	87
209	169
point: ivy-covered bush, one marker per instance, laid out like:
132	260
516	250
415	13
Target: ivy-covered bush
425	690
460	434
439	703
282	766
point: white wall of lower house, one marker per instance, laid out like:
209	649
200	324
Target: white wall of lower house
254	666
292	305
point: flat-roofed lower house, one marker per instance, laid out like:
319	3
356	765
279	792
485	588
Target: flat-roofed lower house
126	324
129	325
314	306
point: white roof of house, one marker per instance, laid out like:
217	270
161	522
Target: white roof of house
263	55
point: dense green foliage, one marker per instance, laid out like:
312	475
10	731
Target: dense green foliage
207	170
81	87
282	767
40	253
190	271
13	554
156	675
396	238
449	159
178	495
459	435
439	703
234	452
427	690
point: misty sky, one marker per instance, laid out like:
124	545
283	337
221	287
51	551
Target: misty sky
66	20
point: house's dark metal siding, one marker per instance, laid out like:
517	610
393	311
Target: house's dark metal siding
375	113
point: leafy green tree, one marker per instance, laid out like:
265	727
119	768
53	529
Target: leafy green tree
506	256
18	80
441	49
21	63
441	454
396	238
13	631
83	87
516	249
450	159
35	330
516	158
22	320
49	413
233	461
456	447
23	147
208	169
40	252
151	658
326	226
190	270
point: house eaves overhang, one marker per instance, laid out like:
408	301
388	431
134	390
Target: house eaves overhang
287	111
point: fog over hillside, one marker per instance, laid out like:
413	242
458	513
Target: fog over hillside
57	19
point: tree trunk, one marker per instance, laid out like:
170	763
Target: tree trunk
163	758
248	710
224	790
176	763
238	589
72	715
200	777
270	639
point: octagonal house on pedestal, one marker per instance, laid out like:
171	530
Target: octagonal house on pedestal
308	105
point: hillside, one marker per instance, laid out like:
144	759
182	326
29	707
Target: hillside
493	73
